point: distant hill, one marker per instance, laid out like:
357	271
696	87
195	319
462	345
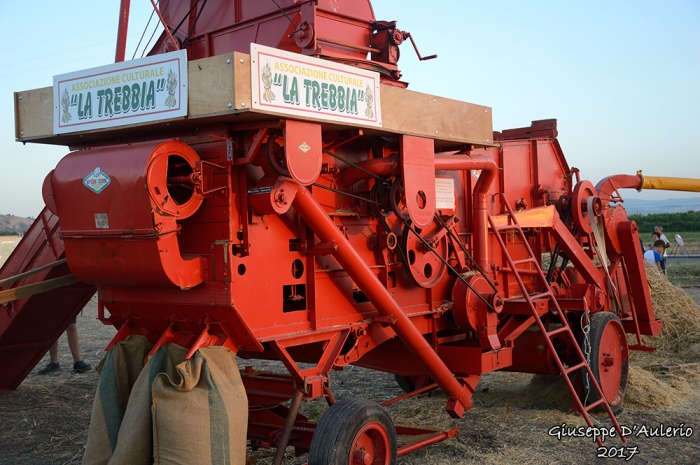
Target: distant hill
14	224
646	207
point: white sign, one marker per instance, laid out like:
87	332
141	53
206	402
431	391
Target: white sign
444	193
297	85
148	89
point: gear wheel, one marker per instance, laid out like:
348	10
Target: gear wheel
397	37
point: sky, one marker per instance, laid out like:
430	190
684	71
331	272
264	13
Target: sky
621	77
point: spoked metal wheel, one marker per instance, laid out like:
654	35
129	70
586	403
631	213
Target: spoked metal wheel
424	265
354	432
609	360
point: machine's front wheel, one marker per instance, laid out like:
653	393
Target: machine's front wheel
609	360
354	432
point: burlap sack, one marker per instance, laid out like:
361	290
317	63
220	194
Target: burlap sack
200	415
135	442
118	371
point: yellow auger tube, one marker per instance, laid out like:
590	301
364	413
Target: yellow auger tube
669	184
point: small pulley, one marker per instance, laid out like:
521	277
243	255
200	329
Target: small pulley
379	195
397	199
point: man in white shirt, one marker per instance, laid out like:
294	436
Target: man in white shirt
653	255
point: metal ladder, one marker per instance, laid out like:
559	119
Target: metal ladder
565	330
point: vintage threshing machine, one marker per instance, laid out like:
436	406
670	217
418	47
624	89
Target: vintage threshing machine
265	182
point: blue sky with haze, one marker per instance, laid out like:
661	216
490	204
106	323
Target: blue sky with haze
622	77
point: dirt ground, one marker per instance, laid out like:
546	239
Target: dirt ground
515	418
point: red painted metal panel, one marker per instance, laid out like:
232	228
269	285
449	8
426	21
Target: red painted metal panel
125	231
417	158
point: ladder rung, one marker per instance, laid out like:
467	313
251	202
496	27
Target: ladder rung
541	296
575	367
507	227
524	260
593	405
554	332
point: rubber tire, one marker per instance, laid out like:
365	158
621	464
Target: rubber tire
338	427
405	383
599	322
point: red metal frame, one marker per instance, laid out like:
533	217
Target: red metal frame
124	8
193	246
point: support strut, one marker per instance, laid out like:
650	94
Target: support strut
321	224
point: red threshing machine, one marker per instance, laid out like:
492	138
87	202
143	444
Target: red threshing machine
420	243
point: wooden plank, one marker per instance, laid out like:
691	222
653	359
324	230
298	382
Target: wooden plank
12	279
216	82
34	113
243	91
210	86
31	289
414	113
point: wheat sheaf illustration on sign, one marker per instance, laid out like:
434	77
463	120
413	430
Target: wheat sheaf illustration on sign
65	104
268	96
171	101
369	99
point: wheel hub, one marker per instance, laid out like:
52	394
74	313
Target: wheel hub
361	457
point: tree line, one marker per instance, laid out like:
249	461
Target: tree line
686	221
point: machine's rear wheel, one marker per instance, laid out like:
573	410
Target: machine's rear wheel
406	383
354	432
411	383
609	360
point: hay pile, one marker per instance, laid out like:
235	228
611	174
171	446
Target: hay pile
648	391
681	315
678	343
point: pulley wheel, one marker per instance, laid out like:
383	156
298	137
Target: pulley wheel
276	157
397	200
465	301
423	264
609	360
617	215
579	208
380	194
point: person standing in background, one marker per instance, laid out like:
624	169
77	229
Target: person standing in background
73	343
660	231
